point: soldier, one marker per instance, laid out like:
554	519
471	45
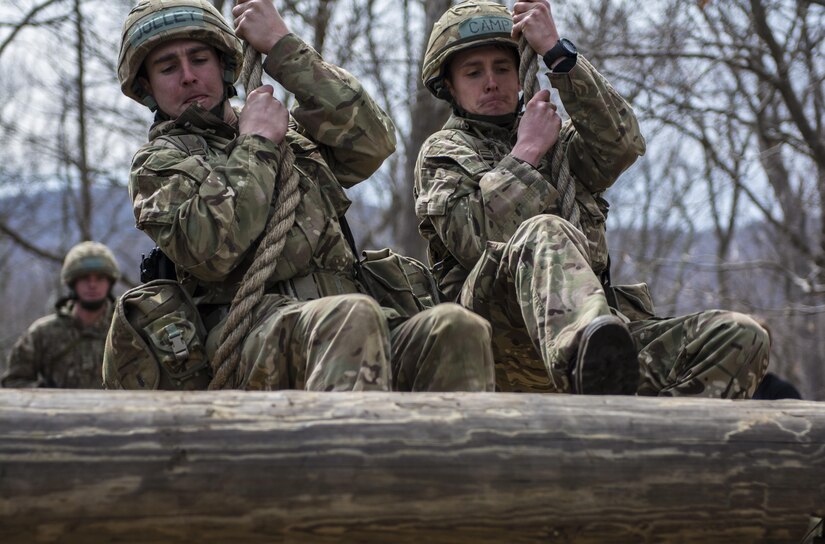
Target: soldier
203	188
486	194
65	349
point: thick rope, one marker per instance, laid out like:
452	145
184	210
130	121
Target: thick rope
252	70
251	291
528	70
560	170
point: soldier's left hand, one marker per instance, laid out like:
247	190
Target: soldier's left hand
259	23
534	19
538	129
264	115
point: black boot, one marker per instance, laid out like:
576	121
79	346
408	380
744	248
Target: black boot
607	363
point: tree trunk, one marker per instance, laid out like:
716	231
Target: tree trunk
427	115
100	466
84	214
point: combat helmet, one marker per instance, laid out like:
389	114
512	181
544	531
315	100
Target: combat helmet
466	25
86	258
152	22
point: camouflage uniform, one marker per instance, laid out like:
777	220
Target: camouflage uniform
499	247
58	350
203	193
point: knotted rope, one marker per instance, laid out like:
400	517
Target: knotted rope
251	290
560	168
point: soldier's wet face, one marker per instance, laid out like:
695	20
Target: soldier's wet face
181	72
484	80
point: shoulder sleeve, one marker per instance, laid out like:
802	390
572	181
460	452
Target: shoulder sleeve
23	364
334	110
204	217
607	137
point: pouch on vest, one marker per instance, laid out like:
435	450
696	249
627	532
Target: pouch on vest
398	282
156	340
633	301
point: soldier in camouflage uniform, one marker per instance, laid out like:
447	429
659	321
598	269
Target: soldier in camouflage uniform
490	211
204	187
65	349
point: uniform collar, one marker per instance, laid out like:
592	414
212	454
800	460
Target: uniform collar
197	120
65	309
484	128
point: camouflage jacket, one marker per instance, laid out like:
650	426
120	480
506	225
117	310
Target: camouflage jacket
206	204
58	350
469	190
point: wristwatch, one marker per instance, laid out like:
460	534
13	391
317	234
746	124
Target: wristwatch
565	49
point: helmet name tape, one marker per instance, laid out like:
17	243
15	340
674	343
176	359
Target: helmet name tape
155	23
479	26
91	263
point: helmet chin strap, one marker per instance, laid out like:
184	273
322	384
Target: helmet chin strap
229	91
217	111
93	305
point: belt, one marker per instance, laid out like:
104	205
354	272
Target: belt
320	283
313	286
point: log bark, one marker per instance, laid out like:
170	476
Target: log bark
99	466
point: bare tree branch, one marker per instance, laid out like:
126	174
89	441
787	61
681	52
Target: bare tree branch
26	21
783	83
21	241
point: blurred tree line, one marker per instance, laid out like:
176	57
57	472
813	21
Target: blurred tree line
725	209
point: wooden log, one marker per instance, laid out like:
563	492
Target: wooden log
98	466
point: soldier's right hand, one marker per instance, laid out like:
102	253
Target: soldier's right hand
264	115
538	130
259	23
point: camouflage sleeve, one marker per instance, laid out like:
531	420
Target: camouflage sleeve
608	138
333	110
22	364
469	203
204	218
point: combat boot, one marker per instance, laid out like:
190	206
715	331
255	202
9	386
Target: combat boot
606	363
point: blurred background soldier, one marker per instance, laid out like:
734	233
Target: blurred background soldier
65	349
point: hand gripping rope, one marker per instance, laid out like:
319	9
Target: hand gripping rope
560	169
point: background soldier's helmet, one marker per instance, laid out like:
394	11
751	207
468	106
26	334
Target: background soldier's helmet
86	258
152	22
464	26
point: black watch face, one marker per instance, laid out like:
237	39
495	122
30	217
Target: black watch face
568	46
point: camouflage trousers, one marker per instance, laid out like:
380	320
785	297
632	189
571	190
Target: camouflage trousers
344	343
539	293
714	353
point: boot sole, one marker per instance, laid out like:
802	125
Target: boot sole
608	363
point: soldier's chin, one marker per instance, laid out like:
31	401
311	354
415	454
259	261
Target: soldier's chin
92	304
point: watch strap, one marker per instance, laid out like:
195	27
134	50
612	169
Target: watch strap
564	66
561	50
